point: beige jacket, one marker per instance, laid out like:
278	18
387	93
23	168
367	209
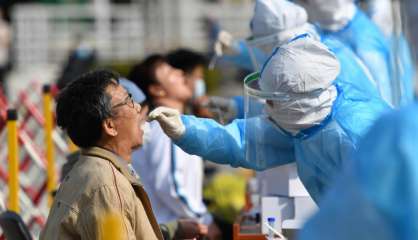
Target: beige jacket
100	182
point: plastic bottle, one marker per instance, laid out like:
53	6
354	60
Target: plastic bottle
270	222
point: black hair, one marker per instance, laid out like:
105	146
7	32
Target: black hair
186	59
143	74
83	105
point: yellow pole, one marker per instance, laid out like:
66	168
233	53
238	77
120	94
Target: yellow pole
111	227
13	147
50	168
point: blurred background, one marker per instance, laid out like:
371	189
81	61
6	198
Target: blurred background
44	33
48	41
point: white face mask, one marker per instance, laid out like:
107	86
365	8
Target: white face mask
199	88
146	136
298	114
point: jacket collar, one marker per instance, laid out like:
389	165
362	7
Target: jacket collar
117	162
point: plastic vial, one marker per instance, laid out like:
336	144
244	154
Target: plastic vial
270	222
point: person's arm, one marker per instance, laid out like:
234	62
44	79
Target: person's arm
265	147
226	144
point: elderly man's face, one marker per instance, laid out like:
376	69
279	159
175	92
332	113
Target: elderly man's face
127	117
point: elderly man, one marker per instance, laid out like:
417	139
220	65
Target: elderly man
101	117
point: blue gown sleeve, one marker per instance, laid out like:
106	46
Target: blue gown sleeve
226	144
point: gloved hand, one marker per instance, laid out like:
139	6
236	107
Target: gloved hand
223	108
169	120
224	41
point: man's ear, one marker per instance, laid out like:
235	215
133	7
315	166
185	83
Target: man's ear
156	90
109	127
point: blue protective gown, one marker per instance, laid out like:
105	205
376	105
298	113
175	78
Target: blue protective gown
377	196
371	46
319	152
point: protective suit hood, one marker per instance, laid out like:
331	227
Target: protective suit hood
330	15
274	16
300	76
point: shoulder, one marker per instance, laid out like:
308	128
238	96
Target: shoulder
94	171
92	176
109	189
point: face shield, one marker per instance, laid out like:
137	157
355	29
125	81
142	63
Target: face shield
260	48
260	131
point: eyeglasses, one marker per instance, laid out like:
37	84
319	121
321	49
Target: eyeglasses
128	101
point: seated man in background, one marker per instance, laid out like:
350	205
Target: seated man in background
172	178
101	118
